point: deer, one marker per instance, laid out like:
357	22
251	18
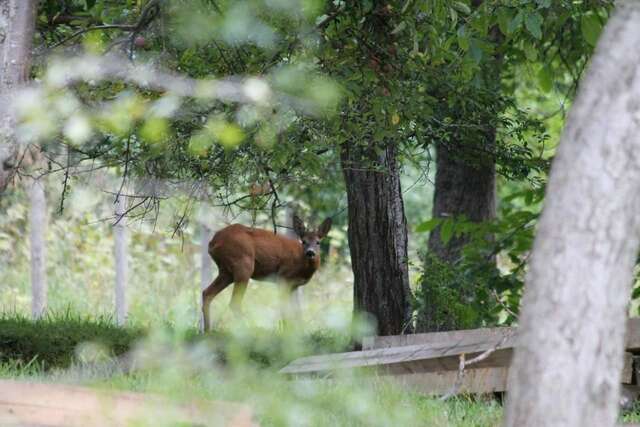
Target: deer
242	253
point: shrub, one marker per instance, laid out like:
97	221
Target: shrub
52	340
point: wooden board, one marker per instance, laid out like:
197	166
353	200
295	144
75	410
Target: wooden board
53	405
432	357
451	337
632	340
481	380
429	363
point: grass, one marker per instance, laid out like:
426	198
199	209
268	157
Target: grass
234	366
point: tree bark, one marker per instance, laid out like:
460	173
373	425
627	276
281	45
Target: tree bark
37	237
377	235
121	254
462	187
566	370
17	27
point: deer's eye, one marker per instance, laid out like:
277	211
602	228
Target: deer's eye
304	242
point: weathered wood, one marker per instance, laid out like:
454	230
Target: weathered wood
429	363
481	380
451	337
473	335
632	337
411	358
35	404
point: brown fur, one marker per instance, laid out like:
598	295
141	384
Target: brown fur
244	253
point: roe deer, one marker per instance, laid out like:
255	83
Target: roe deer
242	253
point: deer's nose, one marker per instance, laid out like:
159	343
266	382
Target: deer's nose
310	253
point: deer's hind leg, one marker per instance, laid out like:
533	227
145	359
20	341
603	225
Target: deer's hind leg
242	272
223	280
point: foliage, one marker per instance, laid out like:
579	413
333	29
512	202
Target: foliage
51	342
473	292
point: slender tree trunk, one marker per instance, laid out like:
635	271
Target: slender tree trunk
121	253
296	298
17	26
566	370
38	225
206	264
377	235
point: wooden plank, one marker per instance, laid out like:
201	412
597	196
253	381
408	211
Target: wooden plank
53	405
460	337
410	358
627	369
632	341
481	380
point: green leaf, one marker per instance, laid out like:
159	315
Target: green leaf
463	38
530	52
428	225
461	7
446	231
475	51
533	22
515	23
401	26
545	80
591	28
505	16
544	4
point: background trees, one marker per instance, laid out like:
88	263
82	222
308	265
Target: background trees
336	109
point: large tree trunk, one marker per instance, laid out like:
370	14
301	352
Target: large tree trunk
465	186
377	235
17	26
566	369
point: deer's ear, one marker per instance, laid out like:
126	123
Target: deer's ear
298	226
324	228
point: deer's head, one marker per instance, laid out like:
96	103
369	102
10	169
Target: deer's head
311	238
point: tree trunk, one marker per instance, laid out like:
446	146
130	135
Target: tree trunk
465	186
566	369
206	264
17	26
38	231
377	235
462	187
121	261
